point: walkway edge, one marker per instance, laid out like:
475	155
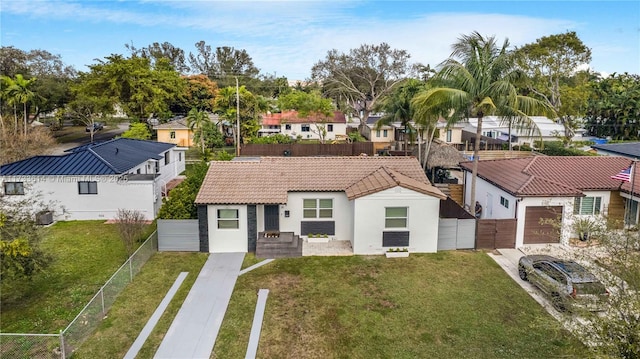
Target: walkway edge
256	328
155	317
257	265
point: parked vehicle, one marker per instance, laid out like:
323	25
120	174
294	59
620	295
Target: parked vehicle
570	285
97	126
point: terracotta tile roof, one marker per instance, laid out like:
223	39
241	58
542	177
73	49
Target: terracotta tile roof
180	124
292	117
552	175
267	180
385	178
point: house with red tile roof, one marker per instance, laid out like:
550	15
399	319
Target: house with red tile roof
540	190
290	123
376	203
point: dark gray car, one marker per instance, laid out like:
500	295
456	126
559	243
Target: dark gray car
570	285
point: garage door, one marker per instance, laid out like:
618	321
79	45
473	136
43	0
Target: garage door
539	224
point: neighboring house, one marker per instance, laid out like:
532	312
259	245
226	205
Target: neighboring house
176	132
94	181
383	138
629	149
495	127
542	189
374	202
450	133
288	123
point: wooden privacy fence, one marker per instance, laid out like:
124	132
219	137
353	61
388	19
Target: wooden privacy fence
311	149
496	233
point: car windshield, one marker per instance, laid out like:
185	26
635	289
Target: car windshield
589	288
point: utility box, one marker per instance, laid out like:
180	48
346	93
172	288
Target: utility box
44	218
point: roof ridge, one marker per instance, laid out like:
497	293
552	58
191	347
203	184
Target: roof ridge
103	160
526	168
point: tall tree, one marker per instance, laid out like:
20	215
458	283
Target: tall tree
251	108
397	107
165	50
614	107
19	91
223	64
478	80
196	120
199	92
549	62
361	78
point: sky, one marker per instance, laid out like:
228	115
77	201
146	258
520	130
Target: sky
285	38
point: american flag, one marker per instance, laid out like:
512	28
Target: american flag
624	175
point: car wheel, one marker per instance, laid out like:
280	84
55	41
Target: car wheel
522	272
558	302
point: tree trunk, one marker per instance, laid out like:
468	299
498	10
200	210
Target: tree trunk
509	139
25	118
428	149
474	172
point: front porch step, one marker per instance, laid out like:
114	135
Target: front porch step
286	246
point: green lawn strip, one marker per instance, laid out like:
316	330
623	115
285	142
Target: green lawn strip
85	254
249	260
444	305
136	304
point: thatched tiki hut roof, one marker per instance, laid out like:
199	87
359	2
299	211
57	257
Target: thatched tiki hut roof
441	155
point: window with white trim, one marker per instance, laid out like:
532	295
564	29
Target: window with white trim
449	135
306	128
167	158
87	187
385	133
587	205
172	134
396	217
287	127
317	208
329	128
504	202
13	188
228	219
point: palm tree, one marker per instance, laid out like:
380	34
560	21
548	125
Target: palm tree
477	80
196	121
398	107
19	92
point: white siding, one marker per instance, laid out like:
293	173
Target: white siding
296	129
369	220
62	193
485	192
227	240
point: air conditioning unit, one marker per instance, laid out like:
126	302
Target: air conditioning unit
44	218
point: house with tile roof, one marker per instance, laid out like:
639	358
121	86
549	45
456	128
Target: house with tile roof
540	190
290	123
94	181
376	203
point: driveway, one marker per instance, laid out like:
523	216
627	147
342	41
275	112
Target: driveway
194	330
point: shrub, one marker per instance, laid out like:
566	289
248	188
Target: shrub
179	204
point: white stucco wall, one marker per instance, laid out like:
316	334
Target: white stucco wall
296	129
61	192
369	220
489	197
227	240
342	215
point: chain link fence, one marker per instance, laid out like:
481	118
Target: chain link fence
45	346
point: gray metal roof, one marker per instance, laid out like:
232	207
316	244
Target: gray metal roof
629	149
112	157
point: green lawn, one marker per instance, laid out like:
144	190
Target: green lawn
445	305
85	254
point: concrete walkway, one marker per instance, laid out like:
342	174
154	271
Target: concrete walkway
195	328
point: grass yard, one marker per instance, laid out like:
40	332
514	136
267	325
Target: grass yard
138	301
85	254
444	305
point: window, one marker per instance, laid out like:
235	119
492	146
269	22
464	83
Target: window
228	219
138	171
587	205
378	133
13	188
385	133
157	167
179	156
306	128
329	128
167	158
172	134
317	208
287	127
504	202
395	217
86	187
448	135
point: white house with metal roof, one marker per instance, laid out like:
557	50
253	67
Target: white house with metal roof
94	181
376	203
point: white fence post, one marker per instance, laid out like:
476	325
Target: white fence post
62	351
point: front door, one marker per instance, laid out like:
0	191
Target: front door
271	218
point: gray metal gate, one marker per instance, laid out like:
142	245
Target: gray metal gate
178	235
454	233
